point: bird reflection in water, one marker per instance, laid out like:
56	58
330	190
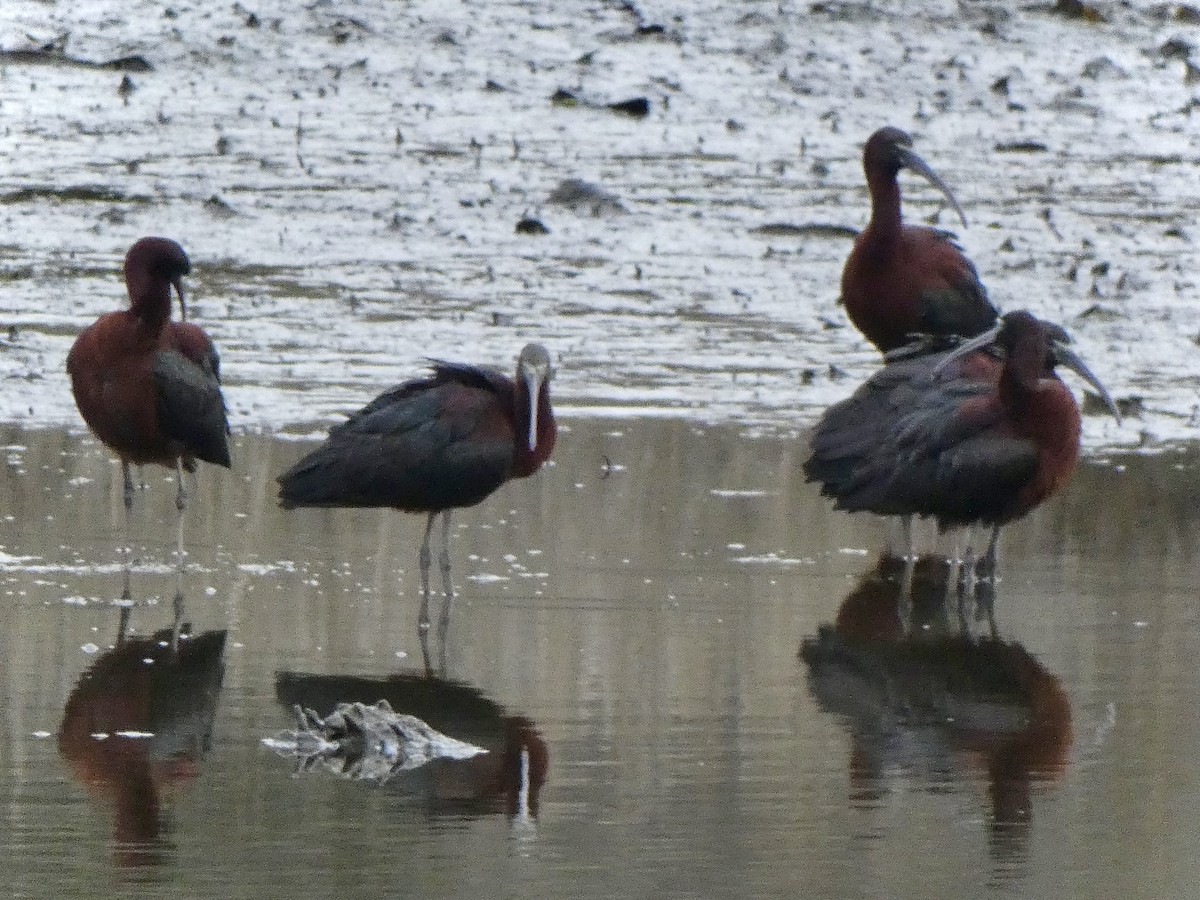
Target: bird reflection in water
136	727
507	778
922	694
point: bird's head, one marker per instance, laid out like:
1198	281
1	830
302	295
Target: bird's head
534	371
154	261
1022	334
889	150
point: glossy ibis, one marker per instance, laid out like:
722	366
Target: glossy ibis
901	280
432	445
149	388
965	438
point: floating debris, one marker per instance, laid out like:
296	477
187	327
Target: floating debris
366	742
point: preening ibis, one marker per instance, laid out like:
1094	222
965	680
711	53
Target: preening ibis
981	435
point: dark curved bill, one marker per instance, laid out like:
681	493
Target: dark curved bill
182	303
914	163
1065	356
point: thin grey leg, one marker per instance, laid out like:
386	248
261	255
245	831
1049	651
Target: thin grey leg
444	562
989	558
127	587
910	538
181	495
123	624
423	559
986	606
969	575
177	624
448	601
423	634
128	476
952	574
125	553
181	506
904	603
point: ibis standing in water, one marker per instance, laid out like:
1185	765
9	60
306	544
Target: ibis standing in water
965	438
149	388
433	445
901	280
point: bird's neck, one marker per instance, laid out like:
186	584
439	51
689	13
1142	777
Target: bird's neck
1042	408
149	299
1022	372
885	222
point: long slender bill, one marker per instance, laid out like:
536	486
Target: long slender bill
975	343
182	303
1065	356
914	163
533	383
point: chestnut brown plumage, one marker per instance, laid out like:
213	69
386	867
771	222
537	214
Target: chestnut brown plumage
899	279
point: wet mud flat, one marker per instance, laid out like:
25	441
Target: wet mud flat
732	695
361	187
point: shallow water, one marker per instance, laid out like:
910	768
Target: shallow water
639	633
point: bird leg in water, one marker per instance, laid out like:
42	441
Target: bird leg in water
424	559
910	568
985	606
969	578
127	550
910	538
427	657
955	562
177	624
123	624
181	495
128	476
444	563
989	558
181	505
904	604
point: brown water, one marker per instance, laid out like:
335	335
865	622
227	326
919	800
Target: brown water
640	634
